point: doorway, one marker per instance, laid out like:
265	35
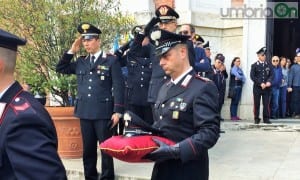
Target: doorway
283	36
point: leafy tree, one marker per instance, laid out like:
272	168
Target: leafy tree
50	27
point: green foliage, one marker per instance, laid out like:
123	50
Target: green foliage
50	27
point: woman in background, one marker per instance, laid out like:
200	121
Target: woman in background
237	79
283	88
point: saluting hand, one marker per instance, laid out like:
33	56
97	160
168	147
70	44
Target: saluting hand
76	45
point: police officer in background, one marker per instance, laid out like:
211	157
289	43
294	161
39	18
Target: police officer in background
262	75
138	62
28	140
100	96
186	112
201	63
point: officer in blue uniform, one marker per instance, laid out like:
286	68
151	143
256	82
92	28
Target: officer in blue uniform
261	74
186	112
99	103
28	140
139	65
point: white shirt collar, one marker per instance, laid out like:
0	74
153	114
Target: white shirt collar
2	93
182	75
97	54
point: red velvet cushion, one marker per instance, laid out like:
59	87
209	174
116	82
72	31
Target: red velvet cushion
131	149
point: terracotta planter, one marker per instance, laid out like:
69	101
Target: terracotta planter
68	132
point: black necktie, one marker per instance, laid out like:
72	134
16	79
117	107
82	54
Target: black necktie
92	61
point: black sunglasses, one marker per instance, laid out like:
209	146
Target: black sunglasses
184	32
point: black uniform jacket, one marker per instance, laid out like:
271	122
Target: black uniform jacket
158	78
187	113
100	87
139	65
28	140
261	72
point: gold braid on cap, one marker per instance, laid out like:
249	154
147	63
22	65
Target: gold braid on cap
85	27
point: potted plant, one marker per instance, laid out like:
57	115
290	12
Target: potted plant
50	28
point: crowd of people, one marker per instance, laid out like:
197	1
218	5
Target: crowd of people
171	83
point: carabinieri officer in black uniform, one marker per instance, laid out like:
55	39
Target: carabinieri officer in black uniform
138	62
166	17
100	96
186	112
28	139
261	74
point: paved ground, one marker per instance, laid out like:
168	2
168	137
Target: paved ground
244	152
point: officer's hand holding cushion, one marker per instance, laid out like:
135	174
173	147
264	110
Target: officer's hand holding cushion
164	152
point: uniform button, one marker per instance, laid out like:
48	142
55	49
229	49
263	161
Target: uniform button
91	72
143	67
106	99
165	77
163	105
89	95
142	85
90	87
142	79
17	99
142	72
160	117
90	80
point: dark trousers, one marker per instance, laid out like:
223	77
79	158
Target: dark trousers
259	93
295	100
275	102
282	101
235	100
94	131
144	112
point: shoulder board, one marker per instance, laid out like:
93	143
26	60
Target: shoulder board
202	78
